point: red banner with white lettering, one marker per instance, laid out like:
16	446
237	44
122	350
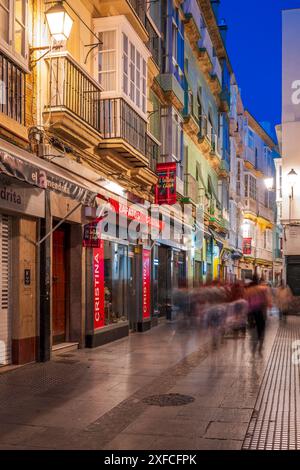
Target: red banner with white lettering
165	191
146	283
98	275
247	246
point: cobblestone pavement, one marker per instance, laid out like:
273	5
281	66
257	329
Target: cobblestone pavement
95	399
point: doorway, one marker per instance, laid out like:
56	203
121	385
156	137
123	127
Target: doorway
59	287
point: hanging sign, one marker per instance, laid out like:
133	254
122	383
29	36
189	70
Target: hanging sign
247	246
98	281
165	191
91	236
146	283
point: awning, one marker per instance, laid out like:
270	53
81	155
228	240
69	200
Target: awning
217	238
42	177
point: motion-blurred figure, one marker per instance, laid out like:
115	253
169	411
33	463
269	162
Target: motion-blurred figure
284	298
258	301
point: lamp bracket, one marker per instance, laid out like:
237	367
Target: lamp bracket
92	47
42	48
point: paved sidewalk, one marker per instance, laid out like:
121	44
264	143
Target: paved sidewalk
93	399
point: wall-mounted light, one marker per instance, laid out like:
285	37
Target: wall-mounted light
59	22
60	25
292	179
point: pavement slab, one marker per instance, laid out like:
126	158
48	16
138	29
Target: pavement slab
93	399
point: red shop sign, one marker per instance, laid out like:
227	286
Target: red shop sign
98	277
247	246
165	190
133	213
146	283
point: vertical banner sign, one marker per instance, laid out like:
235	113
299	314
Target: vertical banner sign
165	191
146	283
247	246
98	276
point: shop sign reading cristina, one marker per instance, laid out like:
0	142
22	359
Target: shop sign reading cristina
146	283
98	274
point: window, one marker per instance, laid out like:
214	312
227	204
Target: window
13	15
280	181
134	74
250	186
125	64
4	19
250	139
238	179
122	62
107	60
177	136
190	103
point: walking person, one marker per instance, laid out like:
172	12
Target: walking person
258	302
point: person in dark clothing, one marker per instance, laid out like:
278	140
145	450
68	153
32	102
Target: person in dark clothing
257	297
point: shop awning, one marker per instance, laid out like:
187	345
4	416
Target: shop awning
43	177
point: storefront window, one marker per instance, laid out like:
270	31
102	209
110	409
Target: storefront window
179	269
115	282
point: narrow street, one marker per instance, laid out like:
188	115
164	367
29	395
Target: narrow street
96	399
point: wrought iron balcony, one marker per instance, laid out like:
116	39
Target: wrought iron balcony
12	90
154	43
191	188
140	9
120	122
152	151
73	97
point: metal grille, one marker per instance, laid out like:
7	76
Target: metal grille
70	87
169	399
12	90
5	318
119	120
275	424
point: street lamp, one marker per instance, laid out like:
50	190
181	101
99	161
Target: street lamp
292	179
59	22
269	183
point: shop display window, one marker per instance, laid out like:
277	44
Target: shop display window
115	282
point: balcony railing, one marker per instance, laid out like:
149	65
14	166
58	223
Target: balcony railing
154	43
120	121
263	253
251	205
266	212
12	90
152	152
217	70
190	8
205	43
139	8
72	89
191	188
278	253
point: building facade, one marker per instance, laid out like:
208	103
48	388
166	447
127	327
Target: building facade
117	121
259	222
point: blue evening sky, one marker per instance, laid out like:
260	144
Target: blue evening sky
254	47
